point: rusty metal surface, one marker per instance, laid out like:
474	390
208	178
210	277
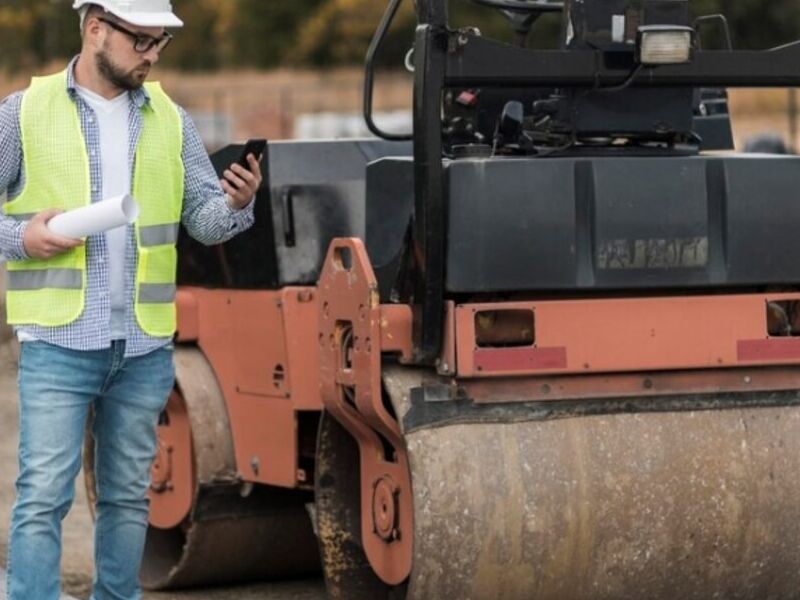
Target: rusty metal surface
188	325
194	443
395	327
631	385
348	574
689	505
350	336
226	537
172	473
447	364
211	435
628	334
257	338
237	540
243	337
300	315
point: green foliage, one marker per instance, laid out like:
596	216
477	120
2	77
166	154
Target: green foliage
266	32
269	33
197	46
341	30
754	24
33	32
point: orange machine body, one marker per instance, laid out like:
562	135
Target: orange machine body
264	348
281	357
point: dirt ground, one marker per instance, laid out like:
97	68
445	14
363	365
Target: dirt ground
77	557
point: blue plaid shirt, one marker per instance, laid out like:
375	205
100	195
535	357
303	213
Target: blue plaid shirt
206	216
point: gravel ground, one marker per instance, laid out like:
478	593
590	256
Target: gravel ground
77	533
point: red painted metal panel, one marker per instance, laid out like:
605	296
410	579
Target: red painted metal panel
769	350
499	360
300	316
613	335
242	335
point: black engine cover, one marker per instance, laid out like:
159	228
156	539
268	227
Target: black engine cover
614	223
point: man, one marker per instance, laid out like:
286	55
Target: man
96	318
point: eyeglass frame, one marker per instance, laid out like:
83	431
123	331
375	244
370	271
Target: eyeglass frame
138	38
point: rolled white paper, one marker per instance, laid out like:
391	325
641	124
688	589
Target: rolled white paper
95	218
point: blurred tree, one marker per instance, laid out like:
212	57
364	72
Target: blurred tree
197	46
754	24
35	32
16	25
268	33
56	30
341	30
264	32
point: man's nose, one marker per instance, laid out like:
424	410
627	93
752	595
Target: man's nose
152	55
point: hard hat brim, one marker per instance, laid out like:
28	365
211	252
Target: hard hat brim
140	19
149	19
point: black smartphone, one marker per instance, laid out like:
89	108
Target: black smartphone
254	147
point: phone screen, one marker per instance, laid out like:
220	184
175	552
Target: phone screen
254	147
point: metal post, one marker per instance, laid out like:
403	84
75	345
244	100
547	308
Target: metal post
432	12
430	50
793	119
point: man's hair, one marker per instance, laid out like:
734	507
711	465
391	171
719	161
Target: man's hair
87	12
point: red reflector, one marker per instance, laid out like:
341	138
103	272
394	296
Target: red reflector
770	349
467	98
496	360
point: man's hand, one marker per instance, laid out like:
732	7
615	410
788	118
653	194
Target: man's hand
40	242
240	184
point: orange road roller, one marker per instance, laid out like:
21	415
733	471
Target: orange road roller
544	346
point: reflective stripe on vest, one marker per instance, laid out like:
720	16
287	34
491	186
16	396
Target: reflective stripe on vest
58	279
158	235
157	293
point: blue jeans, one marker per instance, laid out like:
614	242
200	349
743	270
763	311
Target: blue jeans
56	388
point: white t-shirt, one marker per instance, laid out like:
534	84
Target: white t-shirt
112	121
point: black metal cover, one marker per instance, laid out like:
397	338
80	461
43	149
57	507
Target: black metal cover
312	193
602	223
447	58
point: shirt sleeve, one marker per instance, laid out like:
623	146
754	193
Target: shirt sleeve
11	230
207	215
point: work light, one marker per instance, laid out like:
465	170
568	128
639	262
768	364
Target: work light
664	44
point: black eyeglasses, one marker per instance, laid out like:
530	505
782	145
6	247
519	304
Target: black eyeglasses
141	43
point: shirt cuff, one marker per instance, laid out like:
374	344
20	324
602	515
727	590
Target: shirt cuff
241	218
12	244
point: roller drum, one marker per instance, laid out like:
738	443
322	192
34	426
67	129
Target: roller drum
206	526
633	503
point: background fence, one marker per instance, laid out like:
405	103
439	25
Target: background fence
286	104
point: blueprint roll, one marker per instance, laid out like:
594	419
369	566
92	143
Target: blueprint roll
95	218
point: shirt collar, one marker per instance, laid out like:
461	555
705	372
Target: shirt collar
139	97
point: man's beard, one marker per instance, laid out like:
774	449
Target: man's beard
129	81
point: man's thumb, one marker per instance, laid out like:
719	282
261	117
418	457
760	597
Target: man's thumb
46	215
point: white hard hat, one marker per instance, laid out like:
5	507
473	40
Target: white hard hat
144	13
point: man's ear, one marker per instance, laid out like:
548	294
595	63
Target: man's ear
93	31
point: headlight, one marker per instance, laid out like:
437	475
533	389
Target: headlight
664	44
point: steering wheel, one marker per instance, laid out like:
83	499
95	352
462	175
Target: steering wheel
522	14
524	6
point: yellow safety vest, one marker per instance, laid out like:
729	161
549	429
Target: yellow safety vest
51	292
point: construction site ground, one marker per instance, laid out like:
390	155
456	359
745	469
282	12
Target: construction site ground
78	551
